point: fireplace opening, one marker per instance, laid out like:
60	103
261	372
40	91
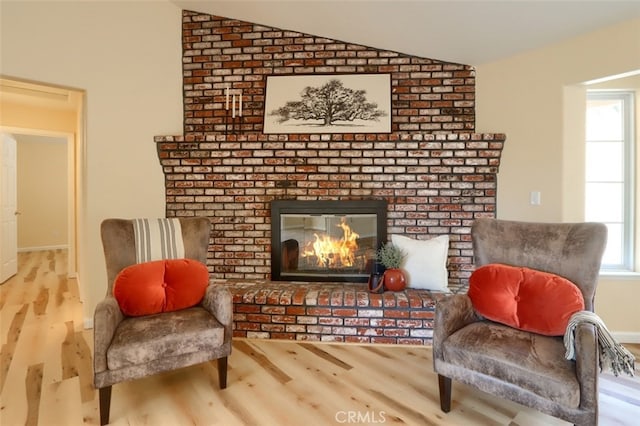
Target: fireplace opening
326	240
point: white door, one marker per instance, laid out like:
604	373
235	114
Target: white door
8	209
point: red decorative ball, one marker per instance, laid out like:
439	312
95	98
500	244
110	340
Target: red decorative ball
394	280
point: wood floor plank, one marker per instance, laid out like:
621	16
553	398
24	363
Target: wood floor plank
260	407
52	355
41	302
83	363
61	401
262	360
32	342
13	399
34	392
317	384
325	355
9	345
400	394
68	351
61	290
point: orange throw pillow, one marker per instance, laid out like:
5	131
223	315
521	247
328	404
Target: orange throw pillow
524	298
160	286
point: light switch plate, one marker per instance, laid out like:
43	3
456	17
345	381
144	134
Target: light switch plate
534	198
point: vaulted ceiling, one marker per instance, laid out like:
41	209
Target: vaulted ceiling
469	32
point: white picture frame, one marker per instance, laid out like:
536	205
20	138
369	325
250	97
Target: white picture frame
328	103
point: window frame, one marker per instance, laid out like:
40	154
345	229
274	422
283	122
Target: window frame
627	97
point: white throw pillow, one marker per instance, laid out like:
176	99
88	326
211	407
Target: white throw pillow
425	263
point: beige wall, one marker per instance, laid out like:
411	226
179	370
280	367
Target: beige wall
537	99
127	57
42	192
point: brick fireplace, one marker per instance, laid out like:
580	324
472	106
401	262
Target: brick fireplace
434	172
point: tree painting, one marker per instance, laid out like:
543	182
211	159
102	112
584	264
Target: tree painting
329	104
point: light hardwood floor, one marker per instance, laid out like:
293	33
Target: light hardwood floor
46	376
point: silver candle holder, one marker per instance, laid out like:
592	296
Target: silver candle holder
233	115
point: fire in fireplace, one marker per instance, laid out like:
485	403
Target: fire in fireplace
326	240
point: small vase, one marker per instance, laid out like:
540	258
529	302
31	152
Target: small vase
376	283
394	280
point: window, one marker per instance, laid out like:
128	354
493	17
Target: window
609	189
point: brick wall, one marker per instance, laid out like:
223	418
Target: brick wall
435	173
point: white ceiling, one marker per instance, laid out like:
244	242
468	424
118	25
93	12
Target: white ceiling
470	32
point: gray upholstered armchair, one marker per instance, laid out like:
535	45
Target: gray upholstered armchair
131	347
518	365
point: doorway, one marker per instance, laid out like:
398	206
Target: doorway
46	111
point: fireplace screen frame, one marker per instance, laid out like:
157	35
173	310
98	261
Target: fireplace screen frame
322	207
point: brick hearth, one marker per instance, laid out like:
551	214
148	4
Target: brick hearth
331	312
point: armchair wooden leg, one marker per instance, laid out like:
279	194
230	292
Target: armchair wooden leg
444	383
105	404
222	372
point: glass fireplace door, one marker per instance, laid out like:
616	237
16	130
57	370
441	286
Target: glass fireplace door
314	246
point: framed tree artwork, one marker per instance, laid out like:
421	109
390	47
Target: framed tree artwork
332	103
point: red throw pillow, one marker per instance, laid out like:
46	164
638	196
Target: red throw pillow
525	298
160	286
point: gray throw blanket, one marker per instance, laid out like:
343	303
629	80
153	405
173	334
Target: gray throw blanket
612	354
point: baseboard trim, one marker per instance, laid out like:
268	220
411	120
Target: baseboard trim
44	248
626	336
